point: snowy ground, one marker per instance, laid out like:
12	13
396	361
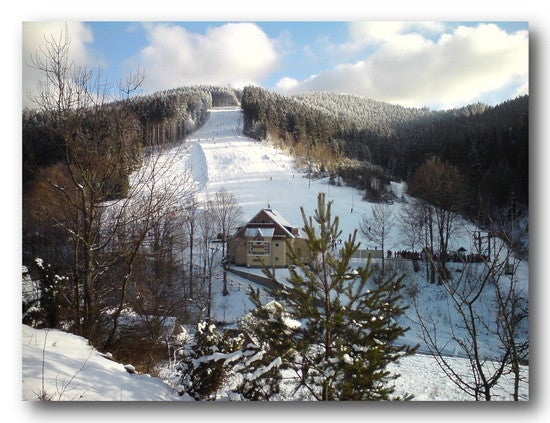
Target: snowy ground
260	175
66	368
216	156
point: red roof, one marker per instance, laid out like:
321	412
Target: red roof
270	219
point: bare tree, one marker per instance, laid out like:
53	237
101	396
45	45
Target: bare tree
228	214
143	228
410	224
440	186
107	194
511	308
156	296
190	223
484	302
423	213
96	142
208	232
378	227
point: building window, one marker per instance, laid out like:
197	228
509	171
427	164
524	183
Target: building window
259	248
276	244
276	258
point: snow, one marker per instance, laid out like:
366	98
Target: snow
66	368
259	175
421	376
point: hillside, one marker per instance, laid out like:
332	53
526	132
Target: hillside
65	367
218	155
366	114
260	175
58	366
488	144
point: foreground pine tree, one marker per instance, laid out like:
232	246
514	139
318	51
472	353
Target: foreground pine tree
206	361
331	331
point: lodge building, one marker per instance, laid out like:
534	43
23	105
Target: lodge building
263	241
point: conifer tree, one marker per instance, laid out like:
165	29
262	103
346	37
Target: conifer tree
260	367
206	361
330	327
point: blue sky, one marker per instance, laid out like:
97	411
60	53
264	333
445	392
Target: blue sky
436	64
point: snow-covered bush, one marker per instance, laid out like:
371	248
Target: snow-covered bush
206	361
261	373
42	297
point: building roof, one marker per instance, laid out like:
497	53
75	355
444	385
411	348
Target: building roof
268	223
278	217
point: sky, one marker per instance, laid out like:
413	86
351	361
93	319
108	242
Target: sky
436	64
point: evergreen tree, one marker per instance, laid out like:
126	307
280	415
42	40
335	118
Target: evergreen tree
207	360
330	327
263	357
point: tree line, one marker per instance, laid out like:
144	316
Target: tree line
161	118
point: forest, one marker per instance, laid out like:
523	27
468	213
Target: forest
368	143
161	118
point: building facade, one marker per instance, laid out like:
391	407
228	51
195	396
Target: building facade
265	240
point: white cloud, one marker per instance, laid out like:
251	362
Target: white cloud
364	33
233	53
522	90
286	84
411	70
34	36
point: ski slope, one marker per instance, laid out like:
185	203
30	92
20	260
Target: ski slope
218	155
259	175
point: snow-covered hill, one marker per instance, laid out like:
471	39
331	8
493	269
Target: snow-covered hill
260	176
58	366
219	155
